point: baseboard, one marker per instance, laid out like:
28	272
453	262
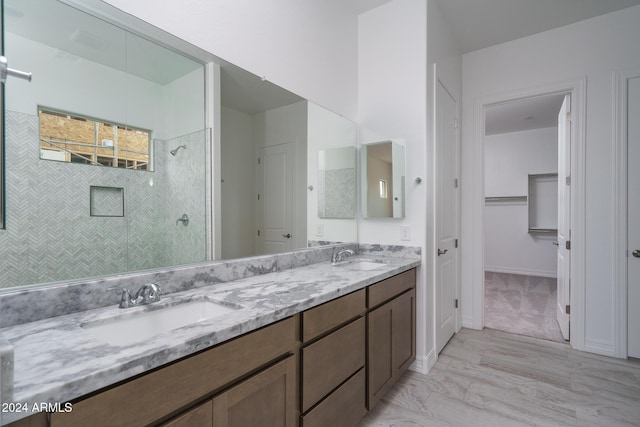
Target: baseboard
604	348
423	364
521	271
467	322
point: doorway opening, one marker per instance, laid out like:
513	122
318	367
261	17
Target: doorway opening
526	219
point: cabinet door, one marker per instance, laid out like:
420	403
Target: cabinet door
404	333
267	399
392	343
200	416
380	369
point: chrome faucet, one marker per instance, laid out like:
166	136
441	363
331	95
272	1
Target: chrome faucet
336	257
145	295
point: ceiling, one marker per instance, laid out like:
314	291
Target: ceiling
523	114
477	24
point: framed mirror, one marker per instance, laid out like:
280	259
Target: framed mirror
383	180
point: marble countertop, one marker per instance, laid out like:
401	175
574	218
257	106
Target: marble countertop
57	360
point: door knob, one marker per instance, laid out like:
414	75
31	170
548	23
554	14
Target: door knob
555	243
288	235
442	252
636	253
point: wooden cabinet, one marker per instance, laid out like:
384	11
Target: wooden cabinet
169	391
391	334
200	416
322	367
267	399
332	364
345	407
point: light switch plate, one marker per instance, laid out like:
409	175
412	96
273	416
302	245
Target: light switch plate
405	232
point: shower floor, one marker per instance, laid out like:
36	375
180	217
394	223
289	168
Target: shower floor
524	305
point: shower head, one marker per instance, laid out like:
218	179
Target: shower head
175	150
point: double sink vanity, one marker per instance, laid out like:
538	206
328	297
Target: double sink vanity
288	339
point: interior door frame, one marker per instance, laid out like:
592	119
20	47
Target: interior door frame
578	206
620	256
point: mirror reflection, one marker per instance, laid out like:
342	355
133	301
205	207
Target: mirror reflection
383	180
337	183
270	139
112	204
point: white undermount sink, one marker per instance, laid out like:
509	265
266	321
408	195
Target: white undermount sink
128	329
362	265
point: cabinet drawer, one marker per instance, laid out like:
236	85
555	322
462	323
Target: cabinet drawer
331	360
325	317
389	288
343	408
162	392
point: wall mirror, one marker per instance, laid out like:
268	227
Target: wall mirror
270	143
111	79
383	180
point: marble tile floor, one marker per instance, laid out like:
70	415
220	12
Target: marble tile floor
493	378
524	305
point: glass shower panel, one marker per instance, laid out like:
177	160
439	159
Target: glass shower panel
115	95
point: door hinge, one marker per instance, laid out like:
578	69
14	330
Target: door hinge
455	183
455	305
455	243
567	245
569	116
567	180
258	160
258	196
567	309
455	123
258	233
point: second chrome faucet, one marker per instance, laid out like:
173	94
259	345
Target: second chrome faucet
336	257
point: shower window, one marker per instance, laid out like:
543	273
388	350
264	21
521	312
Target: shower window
73	138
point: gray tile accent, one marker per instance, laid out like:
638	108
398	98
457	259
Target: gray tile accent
51	235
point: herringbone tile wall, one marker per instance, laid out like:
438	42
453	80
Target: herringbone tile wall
50	234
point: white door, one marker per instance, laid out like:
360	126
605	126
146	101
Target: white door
275	198
564	214
446	217
633	217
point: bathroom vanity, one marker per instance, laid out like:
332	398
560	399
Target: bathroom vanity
319	343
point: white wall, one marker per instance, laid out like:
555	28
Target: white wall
238	187
591	49
307	47
509	158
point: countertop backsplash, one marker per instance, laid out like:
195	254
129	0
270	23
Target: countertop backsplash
28	304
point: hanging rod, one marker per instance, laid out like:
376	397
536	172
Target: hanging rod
505	199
